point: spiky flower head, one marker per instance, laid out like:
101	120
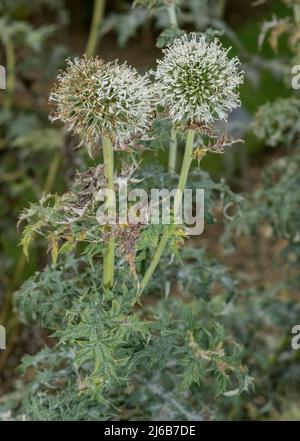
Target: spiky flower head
197	81
94	99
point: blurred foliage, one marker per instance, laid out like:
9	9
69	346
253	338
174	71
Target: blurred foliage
278	123
274	205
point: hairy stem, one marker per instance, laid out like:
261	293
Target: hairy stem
187	159
186	163
10	73
109	251
173	150
98	12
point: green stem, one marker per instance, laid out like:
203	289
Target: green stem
296	10
155	261
173	140
52	173
173	150
186	163
297	14
187	159
220	8
109	252
172	15
98	12
10	73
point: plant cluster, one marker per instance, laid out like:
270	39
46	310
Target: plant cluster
137	321
106	337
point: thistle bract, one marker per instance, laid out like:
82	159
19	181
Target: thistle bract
197	81
94	98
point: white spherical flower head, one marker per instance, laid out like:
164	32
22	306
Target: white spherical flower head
197	81
94	98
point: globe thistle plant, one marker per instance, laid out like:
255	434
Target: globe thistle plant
197	81
94	99
197	84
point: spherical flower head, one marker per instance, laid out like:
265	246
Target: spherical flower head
197	81
94	98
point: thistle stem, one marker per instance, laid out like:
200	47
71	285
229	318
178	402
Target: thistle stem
172	15
296	10
173	140
52	173
186	163
187	159
10	69
109	251
297	14
173	150
220	8
98	12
